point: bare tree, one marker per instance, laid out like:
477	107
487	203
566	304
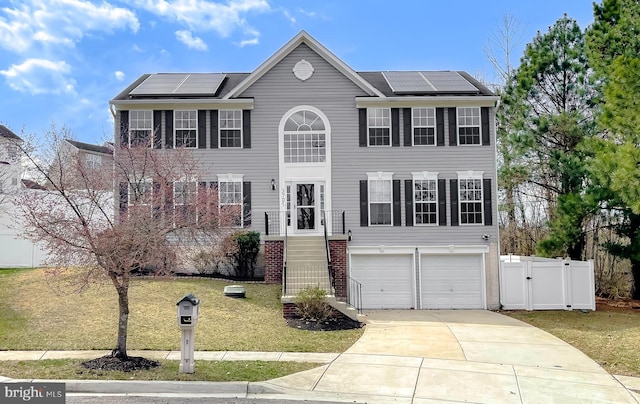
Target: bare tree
161	203
500	47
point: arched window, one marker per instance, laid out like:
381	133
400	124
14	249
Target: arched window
304	138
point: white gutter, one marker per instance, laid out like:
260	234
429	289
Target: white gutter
241	103
435	100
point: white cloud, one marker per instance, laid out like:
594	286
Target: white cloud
194	43
205	15
288	15
40	76
119	75
246	42
59	22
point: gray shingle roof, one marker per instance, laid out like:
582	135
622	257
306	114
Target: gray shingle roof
90	147
5	132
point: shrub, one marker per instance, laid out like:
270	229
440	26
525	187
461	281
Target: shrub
310	304
246	253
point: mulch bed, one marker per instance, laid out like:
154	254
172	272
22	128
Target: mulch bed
332	324
127	365
604	304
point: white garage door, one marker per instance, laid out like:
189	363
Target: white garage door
451	281
386	280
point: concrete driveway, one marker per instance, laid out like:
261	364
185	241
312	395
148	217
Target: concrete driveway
458	356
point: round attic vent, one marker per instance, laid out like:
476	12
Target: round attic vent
303	70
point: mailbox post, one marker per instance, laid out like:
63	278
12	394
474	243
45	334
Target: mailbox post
187	319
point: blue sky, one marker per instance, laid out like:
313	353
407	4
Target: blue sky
61	61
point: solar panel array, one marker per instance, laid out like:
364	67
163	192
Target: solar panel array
180	84
413	82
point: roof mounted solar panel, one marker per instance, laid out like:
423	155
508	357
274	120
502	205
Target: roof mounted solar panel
449	82
168	84
407	82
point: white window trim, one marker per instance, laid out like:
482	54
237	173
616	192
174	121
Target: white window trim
176	129
220	129
425	176
413	127
479	126
471	175
379	176
151	130
93	161
229	177
185	181
377	127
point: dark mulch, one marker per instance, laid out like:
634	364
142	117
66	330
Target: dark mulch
332	324
124	365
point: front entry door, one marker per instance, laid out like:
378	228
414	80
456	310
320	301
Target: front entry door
306	219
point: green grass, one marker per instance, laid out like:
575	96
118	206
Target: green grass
70	369
609	336
34	317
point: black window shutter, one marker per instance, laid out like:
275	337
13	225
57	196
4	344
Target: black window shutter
362	126
397	221
157	129
440	126
246	129
453	188
202	129
124	128
488	211
408	202
124	197
364	203
453	127
168	128
246	208
214	129
442	202
395	127
408	133
484	118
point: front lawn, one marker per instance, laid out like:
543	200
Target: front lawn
33	317
609	335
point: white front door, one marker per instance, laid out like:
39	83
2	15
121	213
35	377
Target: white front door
306	212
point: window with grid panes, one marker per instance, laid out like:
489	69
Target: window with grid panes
380	202
425	198
379	126
140	127
230	124
468	125
186	129
230	200
470	199
424	126
304	138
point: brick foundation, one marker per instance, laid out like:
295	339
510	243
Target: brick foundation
338	252
273	251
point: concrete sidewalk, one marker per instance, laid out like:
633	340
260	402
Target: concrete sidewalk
411	357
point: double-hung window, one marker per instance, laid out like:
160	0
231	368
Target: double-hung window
92	161
230	124
184	200
12	151
468	125
186	129
379	126
141	192
380	199
425	198
140	127
424	126
230	199
471	198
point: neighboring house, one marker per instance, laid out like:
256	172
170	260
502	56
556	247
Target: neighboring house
397	167
14	251
91	156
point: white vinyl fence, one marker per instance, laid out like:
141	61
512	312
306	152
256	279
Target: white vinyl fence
19	253
546	284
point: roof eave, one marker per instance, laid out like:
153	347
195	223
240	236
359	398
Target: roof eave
433	100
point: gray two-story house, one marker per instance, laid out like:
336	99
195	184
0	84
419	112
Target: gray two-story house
379	183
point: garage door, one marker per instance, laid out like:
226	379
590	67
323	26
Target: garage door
386	280
451	281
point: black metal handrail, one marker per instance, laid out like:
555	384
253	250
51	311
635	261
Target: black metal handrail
274	225
332	281
354	294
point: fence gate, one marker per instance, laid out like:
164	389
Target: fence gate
547	285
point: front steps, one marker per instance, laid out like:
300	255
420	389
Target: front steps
307	265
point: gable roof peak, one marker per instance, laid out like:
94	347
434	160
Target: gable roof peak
300	38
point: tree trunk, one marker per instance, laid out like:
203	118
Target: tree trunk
123	320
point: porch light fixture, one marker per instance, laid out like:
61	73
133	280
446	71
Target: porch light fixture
349	235
273	184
